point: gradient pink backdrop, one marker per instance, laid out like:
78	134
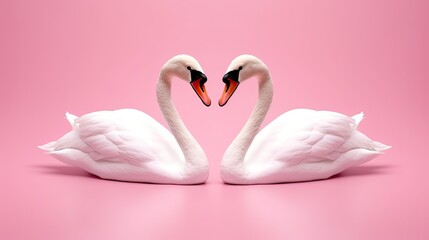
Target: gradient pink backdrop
82	56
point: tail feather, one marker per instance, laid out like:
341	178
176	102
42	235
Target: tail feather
71	156
48	147
65	140
71	118
356	157
380	147
358	118
360	137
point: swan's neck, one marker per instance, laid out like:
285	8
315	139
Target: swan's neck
234	156
196	160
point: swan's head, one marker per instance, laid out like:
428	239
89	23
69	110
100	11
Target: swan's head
187	68
241	68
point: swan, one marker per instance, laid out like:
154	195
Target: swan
129	145
299	145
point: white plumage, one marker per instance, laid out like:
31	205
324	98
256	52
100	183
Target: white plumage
305	144
299	145
129	145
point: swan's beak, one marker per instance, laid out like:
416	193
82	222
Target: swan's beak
197	82
201	91
231	83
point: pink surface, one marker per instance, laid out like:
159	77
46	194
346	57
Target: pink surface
82	56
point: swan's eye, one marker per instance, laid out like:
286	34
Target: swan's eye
240	68
189	68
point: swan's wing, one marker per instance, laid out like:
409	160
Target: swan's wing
126	136
300	136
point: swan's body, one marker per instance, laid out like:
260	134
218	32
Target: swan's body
129	145
300	145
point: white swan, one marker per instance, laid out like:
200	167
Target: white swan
129	145
300	145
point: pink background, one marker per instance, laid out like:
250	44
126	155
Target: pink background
83	56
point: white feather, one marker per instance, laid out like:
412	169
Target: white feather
300	145
300	137
129	145
113	142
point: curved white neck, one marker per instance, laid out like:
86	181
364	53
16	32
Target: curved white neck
196	160
234	155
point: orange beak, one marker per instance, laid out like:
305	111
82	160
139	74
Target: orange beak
228	91
201	91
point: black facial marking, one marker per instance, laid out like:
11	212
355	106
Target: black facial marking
231	76
197	75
